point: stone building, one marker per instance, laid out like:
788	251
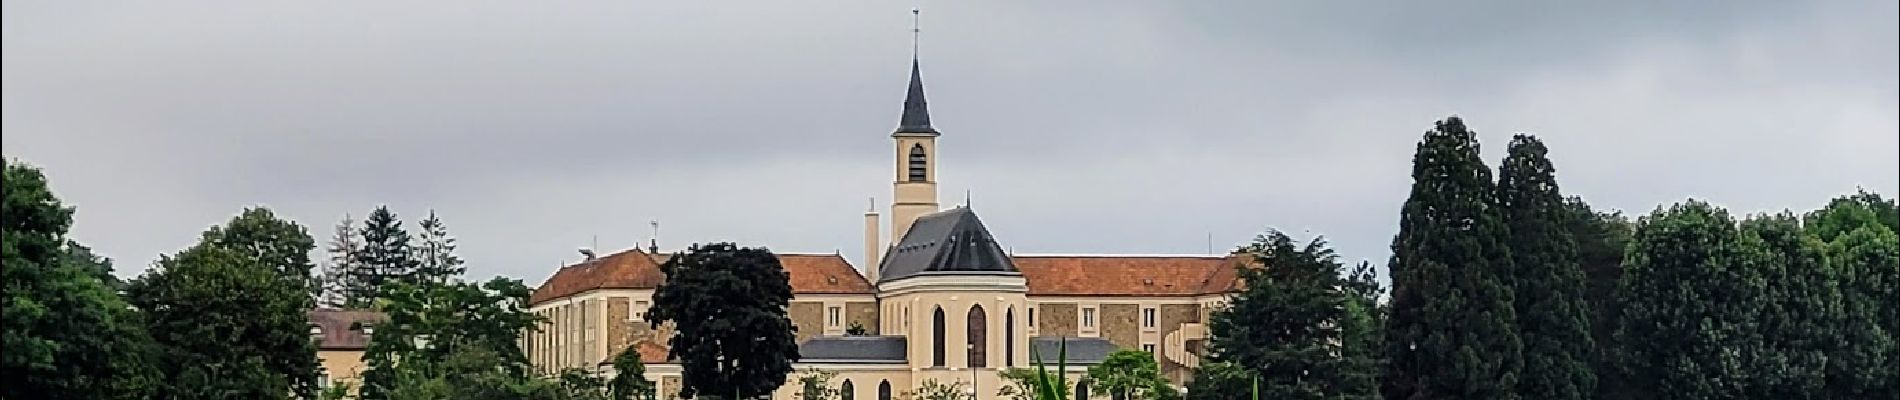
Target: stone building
944	303
341	337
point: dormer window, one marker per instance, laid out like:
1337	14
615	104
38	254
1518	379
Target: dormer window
918	163
316	331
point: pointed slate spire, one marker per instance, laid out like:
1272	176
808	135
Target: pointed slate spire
916	117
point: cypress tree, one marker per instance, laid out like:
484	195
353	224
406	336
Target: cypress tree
1558	349
1452	329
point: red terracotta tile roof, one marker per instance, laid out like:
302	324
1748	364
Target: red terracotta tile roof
339	329
635	269
1126	275
631	269
824	274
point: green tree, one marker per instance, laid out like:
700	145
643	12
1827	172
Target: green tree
1018	384
385	257
727	305
931	389
435	253
1286	323
228	324
1687	302
1557	348
431	323
1865	254
815	384
258	233
1451	332
1362	330
630	381
1601	238
81	256
1131	375
67	335
1800	304
1220	381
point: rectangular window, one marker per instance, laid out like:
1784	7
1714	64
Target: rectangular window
834	316
1150	348
1032	317
1088	318
639	312
1148	318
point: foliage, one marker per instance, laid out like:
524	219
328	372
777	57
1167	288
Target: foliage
1865	254
1285	325
727	304
815	384
472	373
1601	238
629	381
435	253
1221	381
337	277
856	329
1362	329
1799	307
1686	307
385	257
1131	375
279	243
228	324
66	334
1558	350
428	324
931	389
1018	384
1451	333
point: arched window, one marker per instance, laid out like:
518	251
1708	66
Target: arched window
979	335
936	338
918	163
884	390
1009	337
1082	390
846	392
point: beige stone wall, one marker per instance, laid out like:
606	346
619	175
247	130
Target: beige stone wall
862	313
1172	317
1118	325
1056	319
619	331
809	317
342	365
864	382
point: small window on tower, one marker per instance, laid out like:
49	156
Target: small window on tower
918	162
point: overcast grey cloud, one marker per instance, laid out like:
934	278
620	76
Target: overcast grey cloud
1100	126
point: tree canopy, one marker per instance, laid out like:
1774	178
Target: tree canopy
727	304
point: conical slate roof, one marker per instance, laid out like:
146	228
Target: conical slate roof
949	242
916	119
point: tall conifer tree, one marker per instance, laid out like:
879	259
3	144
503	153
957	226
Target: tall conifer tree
386	256
435	252
1555	324
1452	329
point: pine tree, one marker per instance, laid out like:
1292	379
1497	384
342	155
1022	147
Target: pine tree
1285	325
1558	350
1451	333
386	257
435	254
1688	306
342	252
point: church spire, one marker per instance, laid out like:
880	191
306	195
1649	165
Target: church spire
916	118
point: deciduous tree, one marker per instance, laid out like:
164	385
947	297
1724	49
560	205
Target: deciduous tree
727	304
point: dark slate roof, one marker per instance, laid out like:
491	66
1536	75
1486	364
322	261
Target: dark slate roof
916	117
1079	350
949	242
343	329
852	349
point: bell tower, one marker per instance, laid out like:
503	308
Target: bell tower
914	191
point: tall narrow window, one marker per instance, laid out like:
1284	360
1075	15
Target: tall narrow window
1148	318
918	163
1082	389
834	316
979	337
1088	318
936	338
1009	337
846	391
1032	317
884	390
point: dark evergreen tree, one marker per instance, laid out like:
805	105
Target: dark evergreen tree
1285	325
1221	381
1687	307
1363	330
727	305
385	257
341	262
1558	350
1451	332
67	334
1601	238
226	316
435	253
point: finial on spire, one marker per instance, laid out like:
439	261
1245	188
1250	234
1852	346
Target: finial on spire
966	198
914	31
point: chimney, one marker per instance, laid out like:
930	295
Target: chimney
871	244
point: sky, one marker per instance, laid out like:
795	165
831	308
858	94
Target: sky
1120	126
